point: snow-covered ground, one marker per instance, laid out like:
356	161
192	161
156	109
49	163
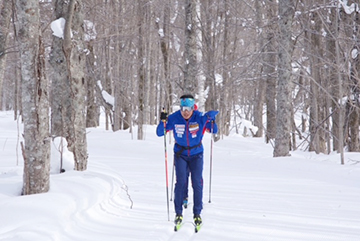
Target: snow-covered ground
122	195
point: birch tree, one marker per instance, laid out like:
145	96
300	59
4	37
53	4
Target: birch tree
190	70
60	84
331	39
283	122
317	116
270	70
163	32
351	21
74	50
261	81
141	69
36	150
5	17
69	84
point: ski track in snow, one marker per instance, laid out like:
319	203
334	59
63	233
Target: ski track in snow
305	197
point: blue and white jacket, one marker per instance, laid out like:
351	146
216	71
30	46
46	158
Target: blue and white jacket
188	134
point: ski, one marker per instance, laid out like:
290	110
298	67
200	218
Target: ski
197	223
178	226
197	227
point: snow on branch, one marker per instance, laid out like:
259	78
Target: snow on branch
349	9
109	99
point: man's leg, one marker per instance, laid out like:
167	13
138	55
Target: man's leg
181	176
196	169
186	189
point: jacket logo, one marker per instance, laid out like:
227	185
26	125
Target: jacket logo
193	128
180	130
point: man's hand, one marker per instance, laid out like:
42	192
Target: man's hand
163	116
211	114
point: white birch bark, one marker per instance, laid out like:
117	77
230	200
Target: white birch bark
5	16
141	71
190	70
36	150
199	58
75	53
283	122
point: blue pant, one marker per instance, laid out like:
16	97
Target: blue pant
186	191
184	164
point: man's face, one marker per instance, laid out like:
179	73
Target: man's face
187	107
186	113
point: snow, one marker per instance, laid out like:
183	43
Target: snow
90	31
354	53
349	9
106	96
58	26
122	195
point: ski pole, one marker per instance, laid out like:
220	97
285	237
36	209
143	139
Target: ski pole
172	181
166	171
211	151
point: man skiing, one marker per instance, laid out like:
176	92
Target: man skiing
188	126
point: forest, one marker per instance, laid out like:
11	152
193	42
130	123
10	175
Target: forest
290	67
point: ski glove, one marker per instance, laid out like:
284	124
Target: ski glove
211	114
163	116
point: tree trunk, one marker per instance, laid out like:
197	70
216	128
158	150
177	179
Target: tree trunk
283	120
208	62
261	82
353	21
331	58
36	151
164	47
76	58
225	98
141	71
5	17
269	71
190	70
92	102
60	84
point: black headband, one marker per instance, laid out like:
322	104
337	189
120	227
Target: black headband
187	96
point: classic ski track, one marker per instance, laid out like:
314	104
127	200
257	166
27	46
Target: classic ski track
88	213
186	232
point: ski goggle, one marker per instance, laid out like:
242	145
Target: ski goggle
187	104
186	108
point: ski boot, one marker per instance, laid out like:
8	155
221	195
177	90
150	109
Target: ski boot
178	222
197	222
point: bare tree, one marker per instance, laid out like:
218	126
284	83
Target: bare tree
270	63
5	17
317	142
75	58
163	32
225	98
69	85
352	32
36	151
141	69
60	82
261	85
283	122
190	62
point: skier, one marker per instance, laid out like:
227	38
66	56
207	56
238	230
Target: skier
188	126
